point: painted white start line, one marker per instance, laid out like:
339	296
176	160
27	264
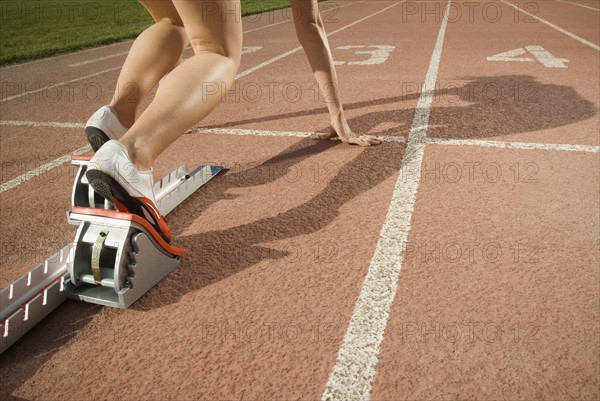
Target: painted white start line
295	134
564	147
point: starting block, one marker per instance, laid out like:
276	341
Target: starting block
115	258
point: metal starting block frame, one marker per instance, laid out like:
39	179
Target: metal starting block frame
115	258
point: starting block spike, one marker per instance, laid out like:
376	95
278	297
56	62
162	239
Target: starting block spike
129	260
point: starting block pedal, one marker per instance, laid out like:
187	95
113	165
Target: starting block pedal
115	258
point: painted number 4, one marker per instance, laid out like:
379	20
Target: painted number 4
542	55
378	54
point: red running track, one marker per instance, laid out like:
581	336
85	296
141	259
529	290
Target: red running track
485	231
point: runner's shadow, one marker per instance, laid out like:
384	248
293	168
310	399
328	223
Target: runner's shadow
218	254
470	107
507	105
482	107
246	175
30	353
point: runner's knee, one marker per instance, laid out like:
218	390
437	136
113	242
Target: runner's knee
306	15
171	21
307	26
162	11
202	45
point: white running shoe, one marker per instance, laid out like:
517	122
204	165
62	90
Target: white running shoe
103	126
114	176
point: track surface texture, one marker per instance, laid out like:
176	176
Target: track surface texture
459	260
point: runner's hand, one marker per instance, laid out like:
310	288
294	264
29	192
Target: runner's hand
351	139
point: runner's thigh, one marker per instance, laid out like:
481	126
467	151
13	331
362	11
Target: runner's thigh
213	26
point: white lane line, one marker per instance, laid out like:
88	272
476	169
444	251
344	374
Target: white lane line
550	24
266	26
291	134
580	5
254	132
282	22
296	134
94	60
63	55
294	50
514	145
313	134
266	63
196	130
365	18
354	372
7	99
563	147
402	139
19	123
44	168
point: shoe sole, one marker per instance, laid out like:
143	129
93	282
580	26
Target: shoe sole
96	137
110	189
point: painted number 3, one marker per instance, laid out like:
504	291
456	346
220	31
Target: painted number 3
378	54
